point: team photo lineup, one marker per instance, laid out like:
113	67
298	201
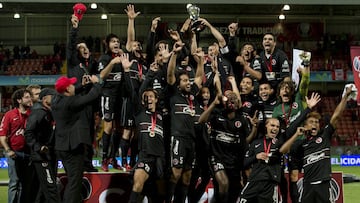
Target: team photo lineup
178	115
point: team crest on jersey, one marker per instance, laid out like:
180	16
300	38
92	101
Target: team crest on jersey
237	124
273	62
274	140
318	140
273	103
141	164
295	105
188	68
159	116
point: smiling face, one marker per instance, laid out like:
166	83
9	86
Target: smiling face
272	127
265	91
25	100
246	85
213	50
150	100
184	83
269	43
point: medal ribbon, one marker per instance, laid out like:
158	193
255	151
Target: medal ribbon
287	118
153	122
269	64
190	104
140	70
267	148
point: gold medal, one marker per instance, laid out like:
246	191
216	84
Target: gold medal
152	134
192	112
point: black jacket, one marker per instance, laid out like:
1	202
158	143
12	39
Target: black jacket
39	132
72	121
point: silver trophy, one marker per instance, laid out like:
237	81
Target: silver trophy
194	13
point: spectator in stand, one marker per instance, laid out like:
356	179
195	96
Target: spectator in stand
17	153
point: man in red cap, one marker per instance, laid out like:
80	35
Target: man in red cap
71	131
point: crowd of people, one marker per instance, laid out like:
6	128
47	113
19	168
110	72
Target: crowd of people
187	117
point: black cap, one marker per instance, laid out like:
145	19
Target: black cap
46	91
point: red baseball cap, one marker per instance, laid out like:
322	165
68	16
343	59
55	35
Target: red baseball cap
63	82
79	10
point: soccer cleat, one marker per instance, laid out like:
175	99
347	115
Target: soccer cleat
105	165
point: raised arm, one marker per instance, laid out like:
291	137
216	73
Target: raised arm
71	52
204	117
215	32
107	70
132	14
304	83
285	148
256	74
235	88
171	79
254	123
200	59
340	107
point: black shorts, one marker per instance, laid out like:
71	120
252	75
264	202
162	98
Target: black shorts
152	165
319	193
110	107
295	161
182	152
127	112
260	191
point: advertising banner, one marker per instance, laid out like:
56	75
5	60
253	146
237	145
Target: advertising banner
116	187
355	59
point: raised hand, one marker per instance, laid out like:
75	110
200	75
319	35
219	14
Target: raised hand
75	21
314	99
199	55
125	62
178	46
155	23
233	27
130	11
174	35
